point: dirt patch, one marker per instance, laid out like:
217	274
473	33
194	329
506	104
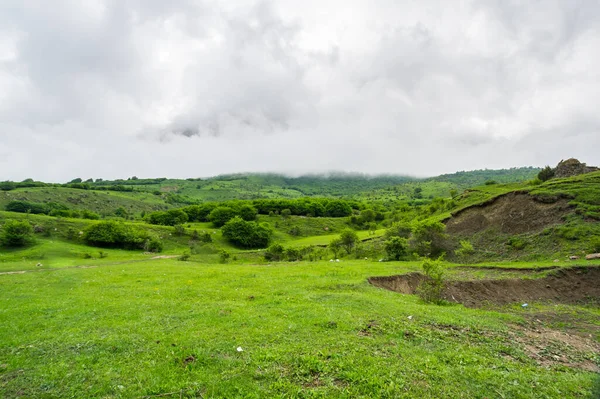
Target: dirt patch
512	213
572	285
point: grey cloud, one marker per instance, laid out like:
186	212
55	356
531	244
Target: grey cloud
151	87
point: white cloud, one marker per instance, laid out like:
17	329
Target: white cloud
109	88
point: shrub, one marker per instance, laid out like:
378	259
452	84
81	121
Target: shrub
274	253
184	257
179	230
221	215
286	213
335	246
16	233
224	256
293	254
431	290
247	234
546	174
398	229
429	238
171	217
348	238
396	248
466	249
111	234
248	213
517	243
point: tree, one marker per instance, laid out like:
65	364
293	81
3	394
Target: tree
286	213
274	253
349	239
429	238
546	174
335	246
221	215
399	229
248	213
247	234
16	233
338	209
396	247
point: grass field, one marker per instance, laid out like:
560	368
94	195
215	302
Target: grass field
170	328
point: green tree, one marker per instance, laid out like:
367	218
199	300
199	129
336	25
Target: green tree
335	246
286	213
338	209
396	247
221	215
248	213
429	238
274	253
546	174
349	239
16	233
247	234
431	290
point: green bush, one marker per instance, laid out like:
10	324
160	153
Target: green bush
16	233
110	234
224	256
396	248
431	290
429	239
516	243
274	253
171	217
293	254
221	215
465	249
349	239
247	234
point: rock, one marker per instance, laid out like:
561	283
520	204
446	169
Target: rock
556	260
573	257
592	256
39	265
572	167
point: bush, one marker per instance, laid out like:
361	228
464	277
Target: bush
398	229
16	233
247	234
110	234
178	230
595	244
248	213
546	174
221	215
349	238
396	248
274	253
293	254
171	217
429	238
431	290
517	243
466	249
335	246
224	256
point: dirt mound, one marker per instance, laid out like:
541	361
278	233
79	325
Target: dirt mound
572	285
512	213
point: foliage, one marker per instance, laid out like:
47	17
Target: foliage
465	249
248	213
546	174
293	254
224	256
335	246
348	238
171	217
274	253
399	229
431	290
16	233
429	238
396	247
111	234
247	234
221	215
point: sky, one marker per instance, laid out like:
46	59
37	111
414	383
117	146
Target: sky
197	88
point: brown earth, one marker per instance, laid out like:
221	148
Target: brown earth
512	213
569	285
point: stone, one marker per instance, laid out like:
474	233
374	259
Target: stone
592	256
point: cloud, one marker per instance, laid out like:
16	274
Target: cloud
109	88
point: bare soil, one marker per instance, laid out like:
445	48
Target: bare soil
570	285
512	213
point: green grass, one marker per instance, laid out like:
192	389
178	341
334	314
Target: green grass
326	239
306	330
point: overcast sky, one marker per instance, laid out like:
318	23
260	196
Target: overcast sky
195	88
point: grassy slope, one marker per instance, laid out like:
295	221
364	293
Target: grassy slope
307	330
104	203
